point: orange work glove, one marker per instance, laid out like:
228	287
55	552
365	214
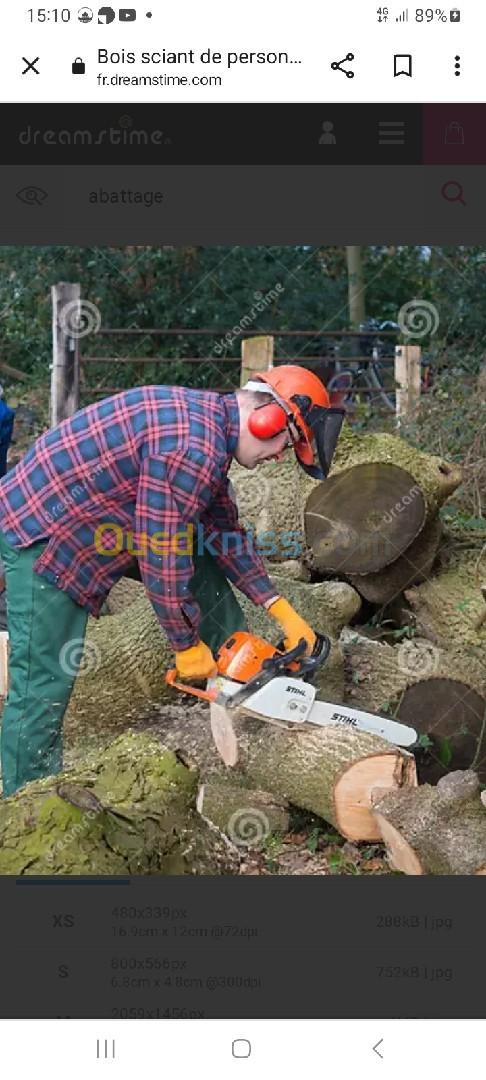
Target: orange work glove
196	663
292	624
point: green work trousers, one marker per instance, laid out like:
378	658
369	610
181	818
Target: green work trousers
46	634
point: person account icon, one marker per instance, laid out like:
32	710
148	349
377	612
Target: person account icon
327	137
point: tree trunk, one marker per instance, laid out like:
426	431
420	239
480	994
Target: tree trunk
434	830
128	809
356	287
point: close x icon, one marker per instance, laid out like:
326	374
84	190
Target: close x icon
31	66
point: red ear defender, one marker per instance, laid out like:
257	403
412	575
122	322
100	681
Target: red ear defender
267	421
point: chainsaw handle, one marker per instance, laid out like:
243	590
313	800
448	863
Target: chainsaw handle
281	660
206	695
304	664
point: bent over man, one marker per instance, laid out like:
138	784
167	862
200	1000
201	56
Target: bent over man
150	464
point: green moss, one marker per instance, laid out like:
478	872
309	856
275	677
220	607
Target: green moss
142	819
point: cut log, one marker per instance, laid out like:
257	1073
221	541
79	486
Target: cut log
274	499
453	716
128	809
412	567
328	771
363	518
442	695
434	830
246	816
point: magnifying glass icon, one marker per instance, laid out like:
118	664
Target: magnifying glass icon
453	191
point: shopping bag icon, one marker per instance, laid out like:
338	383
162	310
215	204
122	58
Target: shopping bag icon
79	67
454	134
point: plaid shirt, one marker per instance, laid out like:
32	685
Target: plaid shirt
149	461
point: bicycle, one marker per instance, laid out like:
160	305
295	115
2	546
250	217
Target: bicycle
357	385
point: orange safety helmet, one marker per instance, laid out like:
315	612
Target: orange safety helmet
302	404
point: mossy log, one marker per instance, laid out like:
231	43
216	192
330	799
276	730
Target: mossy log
434	830
441	694
273	499
328	771
128	809
126	655
412	567
246	816
449	607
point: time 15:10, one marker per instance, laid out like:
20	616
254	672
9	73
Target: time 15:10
48	14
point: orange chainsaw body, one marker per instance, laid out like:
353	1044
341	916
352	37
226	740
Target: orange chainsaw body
242	655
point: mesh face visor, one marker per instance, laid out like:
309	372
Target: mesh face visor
325	425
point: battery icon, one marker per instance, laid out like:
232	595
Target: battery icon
455	15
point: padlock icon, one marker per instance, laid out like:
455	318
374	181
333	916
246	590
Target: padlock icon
454	134
79	66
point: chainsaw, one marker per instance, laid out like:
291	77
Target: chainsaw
275	685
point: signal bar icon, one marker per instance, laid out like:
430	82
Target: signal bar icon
403	17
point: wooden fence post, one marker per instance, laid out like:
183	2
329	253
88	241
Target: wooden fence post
256	355
408	380
66	298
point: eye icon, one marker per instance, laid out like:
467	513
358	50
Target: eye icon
31	195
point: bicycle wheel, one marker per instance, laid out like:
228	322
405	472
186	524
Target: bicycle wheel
340	387
381	377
